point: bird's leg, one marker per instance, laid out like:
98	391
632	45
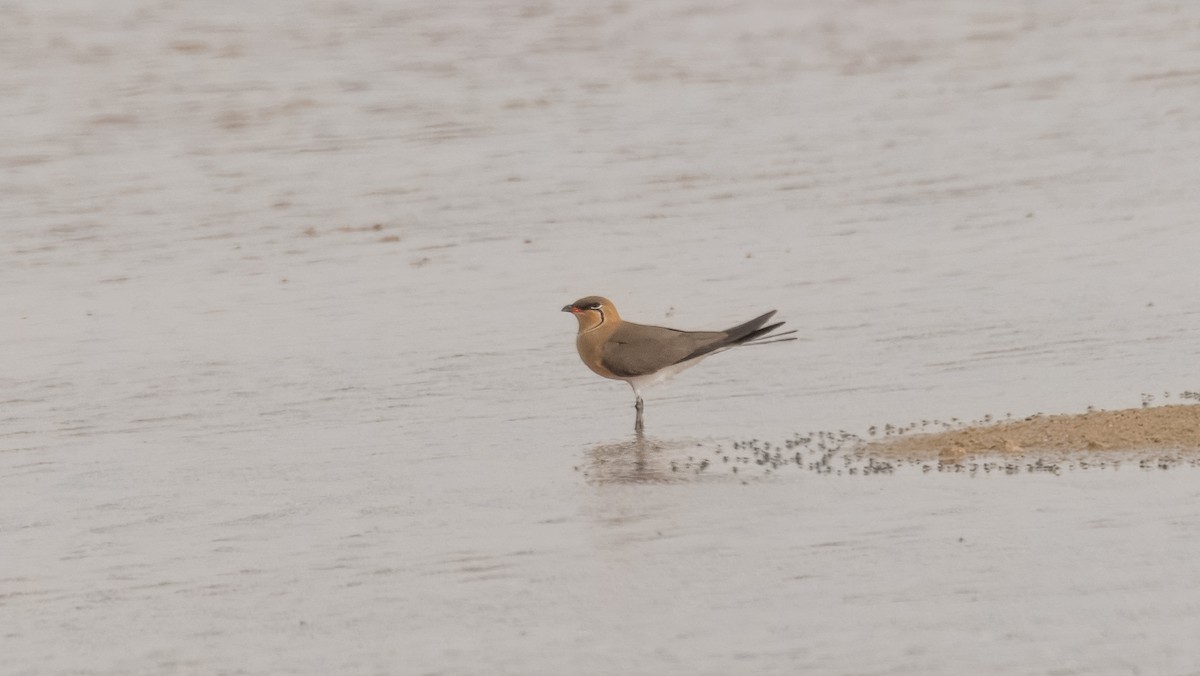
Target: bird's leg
639	406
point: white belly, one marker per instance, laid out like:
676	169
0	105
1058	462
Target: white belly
642	383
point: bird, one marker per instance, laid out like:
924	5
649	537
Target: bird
644	355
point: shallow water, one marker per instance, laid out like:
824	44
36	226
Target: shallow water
287	390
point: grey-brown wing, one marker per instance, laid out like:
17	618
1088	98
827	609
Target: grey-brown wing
637	349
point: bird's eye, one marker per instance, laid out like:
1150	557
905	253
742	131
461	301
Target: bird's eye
593	306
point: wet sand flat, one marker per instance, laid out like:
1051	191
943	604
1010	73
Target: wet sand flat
1162	427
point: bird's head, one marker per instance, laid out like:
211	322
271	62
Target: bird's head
592	311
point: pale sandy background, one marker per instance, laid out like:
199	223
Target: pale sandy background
287	391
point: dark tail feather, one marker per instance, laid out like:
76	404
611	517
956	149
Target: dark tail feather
751	333
773	338
741	331
768	341
756	334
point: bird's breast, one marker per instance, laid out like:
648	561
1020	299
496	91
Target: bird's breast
591	352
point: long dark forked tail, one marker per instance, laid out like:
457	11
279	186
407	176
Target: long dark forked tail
751	333
754	333
764	336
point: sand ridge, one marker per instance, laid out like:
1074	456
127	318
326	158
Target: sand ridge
1174	426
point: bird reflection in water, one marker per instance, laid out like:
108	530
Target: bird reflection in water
640	460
